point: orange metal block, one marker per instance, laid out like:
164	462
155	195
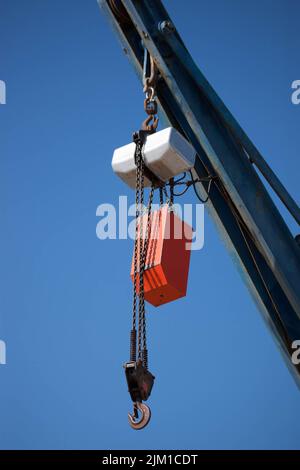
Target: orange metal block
167	259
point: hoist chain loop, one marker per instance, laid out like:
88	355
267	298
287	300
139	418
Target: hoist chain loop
139	379
140	254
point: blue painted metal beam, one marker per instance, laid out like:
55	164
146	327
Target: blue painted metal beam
231	123
253	229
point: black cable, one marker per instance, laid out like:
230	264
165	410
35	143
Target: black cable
191	182
203	201
182	192
180	179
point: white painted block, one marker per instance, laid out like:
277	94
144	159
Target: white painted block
166	153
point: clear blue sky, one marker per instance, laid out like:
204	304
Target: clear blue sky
65	296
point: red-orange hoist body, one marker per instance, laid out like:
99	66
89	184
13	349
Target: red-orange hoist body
167	259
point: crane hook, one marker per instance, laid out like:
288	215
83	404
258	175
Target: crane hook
145	415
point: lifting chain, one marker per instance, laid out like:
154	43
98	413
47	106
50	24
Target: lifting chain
139	379
140	253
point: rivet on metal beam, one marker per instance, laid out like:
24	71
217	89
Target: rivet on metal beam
166	27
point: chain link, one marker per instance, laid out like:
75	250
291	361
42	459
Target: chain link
138	337
161	197
141	234
140	254
142	268
135	262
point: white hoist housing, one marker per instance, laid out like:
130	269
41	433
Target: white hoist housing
166	153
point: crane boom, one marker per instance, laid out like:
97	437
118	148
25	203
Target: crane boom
254	231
